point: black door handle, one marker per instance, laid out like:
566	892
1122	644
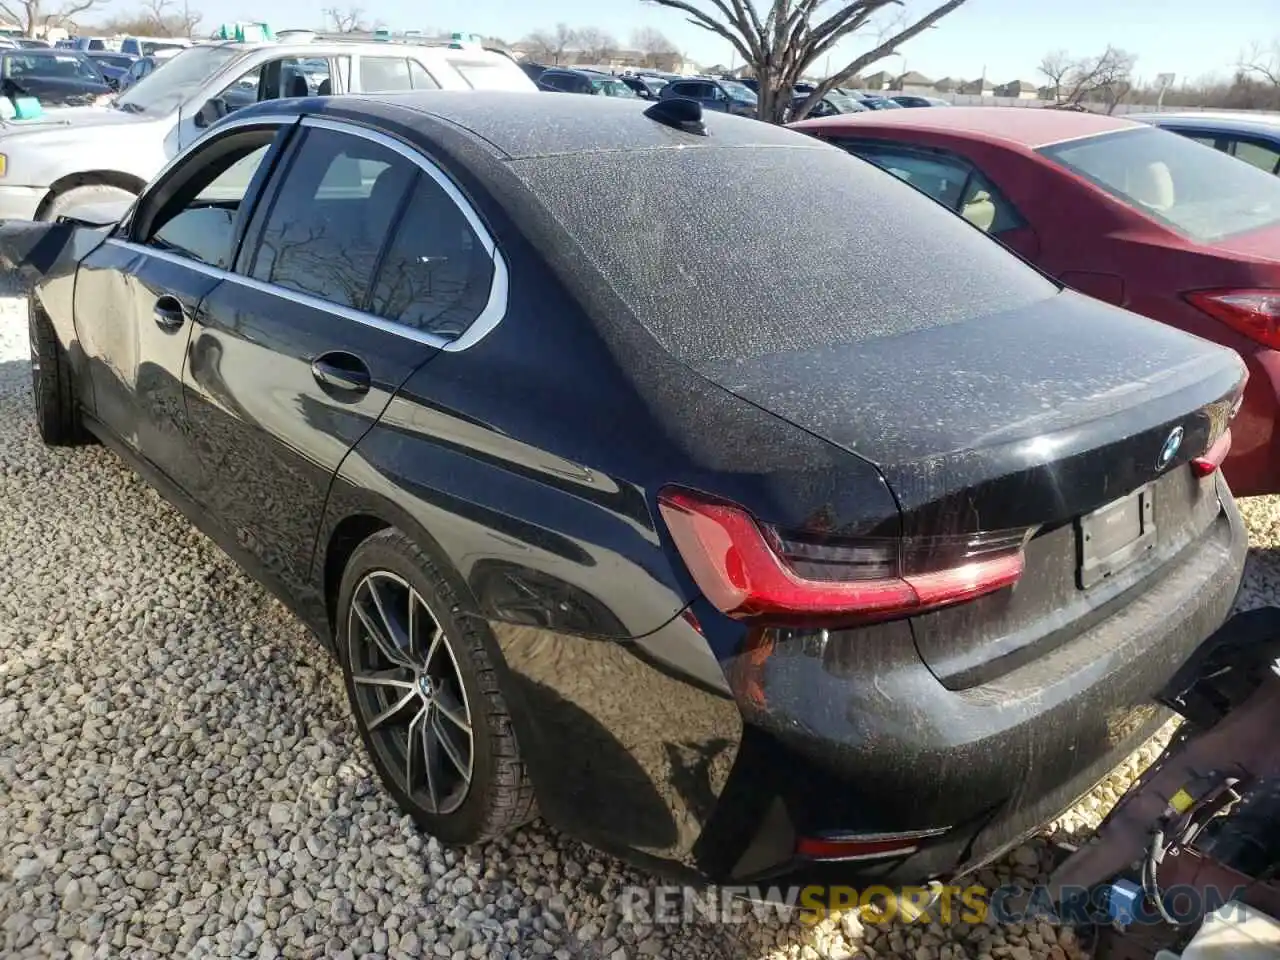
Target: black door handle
341	371
168	313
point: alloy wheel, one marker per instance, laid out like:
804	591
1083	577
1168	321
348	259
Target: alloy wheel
409	692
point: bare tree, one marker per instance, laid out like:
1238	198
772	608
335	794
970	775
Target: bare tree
656	49
1057	66
596	44
794	34
1263	64
37	16
1108	76
551	44
345	21
166	19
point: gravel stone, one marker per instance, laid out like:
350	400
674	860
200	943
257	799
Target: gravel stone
179	774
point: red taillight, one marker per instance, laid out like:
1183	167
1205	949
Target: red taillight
1213	457
867	846
751	571
1255	313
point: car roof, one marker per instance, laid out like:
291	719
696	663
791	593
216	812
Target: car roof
1031	127
523	125
1253	122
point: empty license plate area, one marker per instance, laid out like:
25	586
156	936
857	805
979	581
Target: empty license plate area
1114	536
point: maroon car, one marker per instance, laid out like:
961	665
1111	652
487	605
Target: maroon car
1122	211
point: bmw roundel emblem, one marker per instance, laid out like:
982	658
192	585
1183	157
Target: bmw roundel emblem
1170	448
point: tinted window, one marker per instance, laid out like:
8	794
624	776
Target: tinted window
419	77
940	178
437	274
1196	191
384	74
1262	156
327	224
203	228
873	259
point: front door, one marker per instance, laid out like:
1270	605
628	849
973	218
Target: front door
144	288
297	357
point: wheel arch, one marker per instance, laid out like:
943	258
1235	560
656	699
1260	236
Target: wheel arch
90	178
361	516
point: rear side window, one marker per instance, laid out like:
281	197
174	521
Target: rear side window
1196	191
948	179
437	273
1263	156
718	275
419	78
384	75
326	226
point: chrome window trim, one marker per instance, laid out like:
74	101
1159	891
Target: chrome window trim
495	307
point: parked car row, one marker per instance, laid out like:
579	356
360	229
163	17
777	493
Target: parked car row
111	153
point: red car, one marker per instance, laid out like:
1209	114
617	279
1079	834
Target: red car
1122	211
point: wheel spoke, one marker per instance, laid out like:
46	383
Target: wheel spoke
450	748
436	639
430	760
388	648
410	751
386	678
455	716
394	629
392	710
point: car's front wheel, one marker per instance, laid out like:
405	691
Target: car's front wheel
52	386
426	697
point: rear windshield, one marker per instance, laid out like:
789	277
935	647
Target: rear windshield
1197	191
728	253
50	66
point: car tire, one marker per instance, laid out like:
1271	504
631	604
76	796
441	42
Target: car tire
89	193
400	714
52	385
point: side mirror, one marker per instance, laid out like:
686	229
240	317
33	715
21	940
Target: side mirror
212	111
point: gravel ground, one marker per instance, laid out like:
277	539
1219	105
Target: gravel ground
179	775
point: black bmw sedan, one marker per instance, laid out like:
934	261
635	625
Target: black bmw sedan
612	506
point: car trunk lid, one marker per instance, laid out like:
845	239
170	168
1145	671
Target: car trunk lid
1033	418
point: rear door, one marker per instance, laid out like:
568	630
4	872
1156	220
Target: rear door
354	273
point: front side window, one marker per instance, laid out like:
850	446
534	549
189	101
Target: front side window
384	75
738	91
326	226
199	221
1198	192
437	273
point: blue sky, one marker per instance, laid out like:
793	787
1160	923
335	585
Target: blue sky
1006	37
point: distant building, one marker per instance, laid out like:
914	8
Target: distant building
1018	90
946	85
878	81
914	82
977	88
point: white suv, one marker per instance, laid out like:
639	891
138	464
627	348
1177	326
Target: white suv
76	155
